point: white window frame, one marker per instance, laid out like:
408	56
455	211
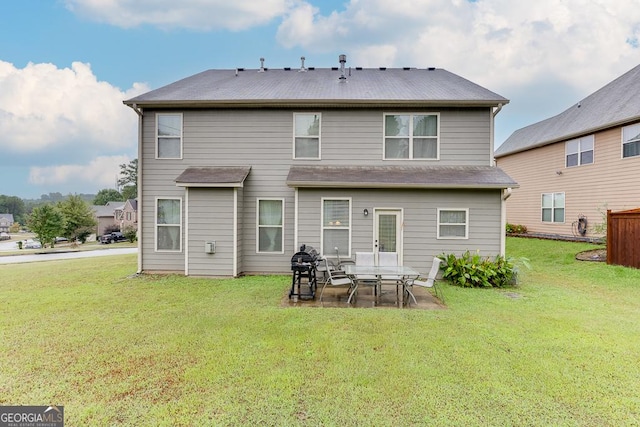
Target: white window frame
553	208
258	226
179	138
167	225
580	142
331	252
410	136
630	141
307	136
465	224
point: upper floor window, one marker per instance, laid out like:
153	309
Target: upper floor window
453	224
411	136
270	225
169	136
306	136
631	141
336	227
552	207
169	225
579	151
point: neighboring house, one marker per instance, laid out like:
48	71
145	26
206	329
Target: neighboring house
262	161
128	215
106	216
6	221
573	167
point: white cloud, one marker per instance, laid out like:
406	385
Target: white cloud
44	108
500	44
99	173
192	14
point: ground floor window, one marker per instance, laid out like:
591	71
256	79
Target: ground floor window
169	225
270	225
336	227
453	223
552	207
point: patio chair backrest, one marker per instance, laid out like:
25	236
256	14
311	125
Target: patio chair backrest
388	259
365	258
433	273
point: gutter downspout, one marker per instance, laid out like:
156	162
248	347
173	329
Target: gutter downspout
503	222
140	114
492	136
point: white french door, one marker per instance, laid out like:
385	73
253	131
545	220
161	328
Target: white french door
388	231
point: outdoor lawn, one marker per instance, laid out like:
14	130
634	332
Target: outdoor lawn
560	349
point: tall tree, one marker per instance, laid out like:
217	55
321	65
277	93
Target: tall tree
107	195
46	222
79	219
13	205
129	179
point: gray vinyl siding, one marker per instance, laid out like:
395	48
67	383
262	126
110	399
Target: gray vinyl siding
263	139
419	208
210	219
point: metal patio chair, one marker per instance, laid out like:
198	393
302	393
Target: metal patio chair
429	282
336	278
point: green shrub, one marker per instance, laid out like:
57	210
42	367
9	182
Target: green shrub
516	229
476	271
130	233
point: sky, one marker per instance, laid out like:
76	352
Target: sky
67	65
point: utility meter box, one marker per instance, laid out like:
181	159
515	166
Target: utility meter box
209	247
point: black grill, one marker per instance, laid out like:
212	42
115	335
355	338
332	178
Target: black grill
303	265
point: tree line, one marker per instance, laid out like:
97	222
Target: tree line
71	216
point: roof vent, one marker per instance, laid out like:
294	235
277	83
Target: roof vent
406	68
431	68
262	69
302	69
343	60
383	68
287	68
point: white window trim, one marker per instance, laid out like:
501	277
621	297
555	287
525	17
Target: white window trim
258	200
181	136
155	228
627	142
384	137
466	224
553	208
331	252
580	151
293	154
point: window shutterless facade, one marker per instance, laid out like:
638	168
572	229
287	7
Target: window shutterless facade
270	226
579	151
553	207
168	136
168	225
411	136
453	224
631	141
306	135
336	227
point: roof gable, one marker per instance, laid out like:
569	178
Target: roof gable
615	104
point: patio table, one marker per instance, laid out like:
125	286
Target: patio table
401	271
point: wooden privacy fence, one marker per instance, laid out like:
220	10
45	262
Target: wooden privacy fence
623	238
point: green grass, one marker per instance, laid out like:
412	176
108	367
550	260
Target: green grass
116	349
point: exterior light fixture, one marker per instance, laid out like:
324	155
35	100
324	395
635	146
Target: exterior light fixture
365	212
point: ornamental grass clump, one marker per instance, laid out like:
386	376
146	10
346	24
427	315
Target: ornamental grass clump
474	271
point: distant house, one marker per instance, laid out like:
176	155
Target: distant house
574	166
6	221
106	216
128	215
261	161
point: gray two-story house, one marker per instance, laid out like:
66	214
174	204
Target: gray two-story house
238	168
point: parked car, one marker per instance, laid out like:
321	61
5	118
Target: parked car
61	239
31	244
113	237
4	236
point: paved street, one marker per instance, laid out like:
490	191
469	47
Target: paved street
15	259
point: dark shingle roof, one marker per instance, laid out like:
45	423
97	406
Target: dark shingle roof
321	87
477	177
222	176
616	103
